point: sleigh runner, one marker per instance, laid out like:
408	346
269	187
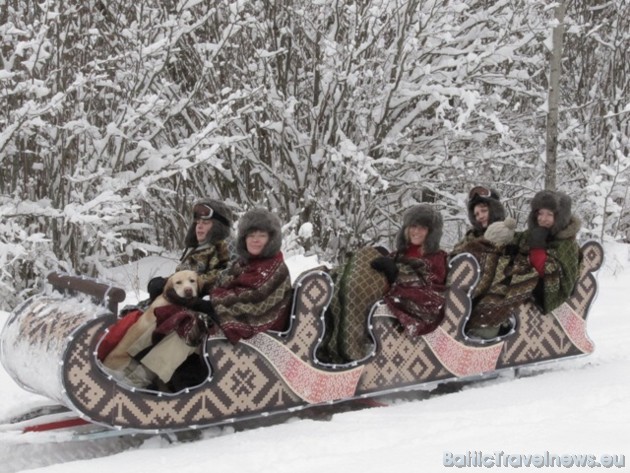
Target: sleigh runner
49	346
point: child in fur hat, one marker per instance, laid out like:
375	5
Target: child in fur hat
416	271
206	250
550	245
486	240
544	266
484	208
487	217
259	274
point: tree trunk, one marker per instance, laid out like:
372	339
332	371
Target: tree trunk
554	93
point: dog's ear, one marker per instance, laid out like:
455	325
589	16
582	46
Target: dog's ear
169	285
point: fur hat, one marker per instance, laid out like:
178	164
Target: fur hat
495	208
558	202
259	219
219	231
425	216
501	233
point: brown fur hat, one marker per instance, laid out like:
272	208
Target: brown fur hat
264	220
495	208
558	202
219	231
426	216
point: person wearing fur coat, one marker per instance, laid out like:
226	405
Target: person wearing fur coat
254	294
206	250
484	208
491	231
551	247
540	264
416	271
251	296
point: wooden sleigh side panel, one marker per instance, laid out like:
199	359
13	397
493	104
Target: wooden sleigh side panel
269	373
562	333
447	353
277	372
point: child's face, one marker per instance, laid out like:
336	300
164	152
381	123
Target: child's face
482	215
256	242
545	218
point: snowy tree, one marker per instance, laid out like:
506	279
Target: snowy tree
595	115
338	115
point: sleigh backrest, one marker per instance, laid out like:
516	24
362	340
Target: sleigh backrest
101	293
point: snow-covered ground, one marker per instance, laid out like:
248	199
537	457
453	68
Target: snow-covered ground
577	407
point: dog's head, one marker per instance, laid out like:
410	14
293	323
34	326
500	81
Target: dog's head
182	287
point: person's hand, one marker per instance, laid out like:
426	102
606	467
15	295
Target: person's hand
387	266
205	307
538	237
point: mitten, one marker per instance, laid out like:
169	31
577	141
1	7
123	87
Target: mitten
511	249
387	266
205	307
156	287
538	237
501	233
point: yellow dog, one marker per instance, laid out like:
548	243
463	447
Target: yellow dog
181	287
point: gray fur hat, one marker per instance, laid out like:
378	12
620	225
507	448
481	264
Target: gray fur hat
221	223
259	219
558	202
426	216
495	207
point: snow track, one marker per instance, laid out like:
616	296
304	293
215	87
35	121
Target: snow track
22	449
25	451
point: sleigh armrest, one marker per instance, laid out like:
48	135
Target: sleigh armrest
102	293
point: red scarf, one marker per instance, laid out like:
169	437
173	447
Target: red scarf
414	251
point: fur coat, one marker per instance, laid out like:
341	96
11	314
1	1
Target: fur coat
207	260
561	268
254	294
416	297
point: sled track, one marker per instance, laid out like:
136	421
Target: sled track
35	450
18	455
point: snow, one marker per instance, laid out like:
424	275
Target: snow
573	407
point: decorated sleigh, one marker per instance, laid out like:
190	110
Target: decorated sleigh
49	346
